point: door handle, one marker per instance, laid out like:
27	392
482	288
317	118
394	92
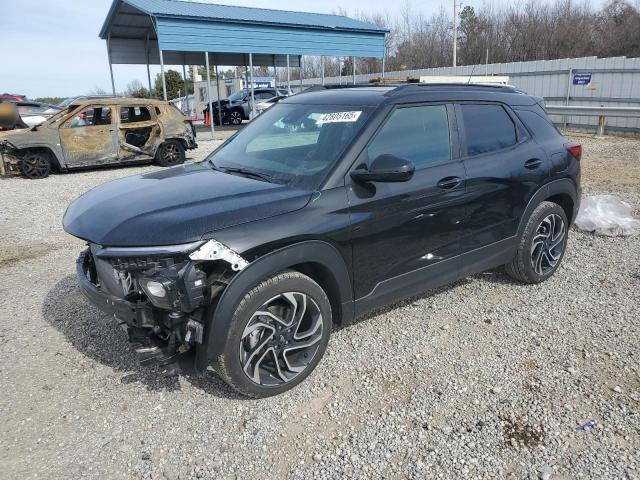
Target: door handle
448	183
532	163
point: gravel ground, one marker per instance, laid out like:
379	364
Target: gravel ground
482	379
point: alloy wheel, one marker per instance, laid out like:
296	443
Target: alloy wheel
548	244
236	119
281	339
35	165
171	154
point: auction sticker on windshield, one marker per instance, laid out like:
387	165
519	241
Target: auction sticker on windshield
338	117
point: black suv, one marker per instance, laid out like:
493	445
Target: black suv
237	107
330	204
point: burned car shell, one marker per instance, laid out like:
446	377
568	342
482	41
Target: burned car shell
111	141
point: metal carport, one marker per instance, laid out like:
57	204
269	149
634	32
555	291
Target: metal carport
176	32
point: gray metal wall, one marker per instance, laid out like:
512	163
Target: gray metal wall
614	82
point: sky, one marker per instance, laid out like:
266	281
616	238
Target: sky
51	48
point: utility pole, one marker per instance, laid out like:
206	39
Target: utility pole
455	34
486	64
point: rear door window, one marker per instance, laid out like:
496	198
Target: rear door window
487	128
419	134
134	114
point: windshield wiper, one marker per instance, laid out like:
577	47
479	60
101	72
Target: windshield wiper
247	172
213	165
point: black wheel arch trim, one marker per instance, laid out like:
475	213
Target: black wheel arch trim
218	316
53	157
557	187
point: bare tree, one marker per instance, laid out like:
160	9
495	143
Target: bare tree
530	30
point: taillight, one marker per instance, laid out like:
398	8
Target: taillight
574	149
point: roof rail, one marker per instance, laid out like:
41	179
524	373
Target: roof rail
397	88
470	86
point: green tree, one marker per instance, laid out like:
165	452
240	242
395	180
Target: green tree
175	85
50	100
471	43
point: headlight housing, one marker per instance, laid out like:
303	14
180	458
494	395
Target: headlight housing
157	292
171	277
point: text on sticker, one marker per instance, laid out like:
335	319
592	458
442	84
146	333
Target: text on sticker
338	117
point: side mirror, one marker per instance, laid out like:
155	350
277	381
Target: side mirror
385	168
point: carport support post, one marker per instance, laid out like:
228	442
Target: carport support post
300	60
253	97
146	51
186	90
288	75
206	59
354	70
275	75
322	63
164	80
218	91
113	85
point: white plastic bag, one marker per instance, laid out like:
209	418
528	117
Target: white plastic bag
607	215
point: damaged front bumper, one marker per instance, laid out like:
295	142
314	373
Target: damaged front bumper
158	295
133	314
9	163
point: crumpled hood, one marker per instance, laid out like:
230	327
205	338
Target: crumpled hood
18	135
176	205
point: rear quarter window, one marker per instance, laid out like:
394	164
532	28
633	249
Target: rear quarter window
541	127
487	128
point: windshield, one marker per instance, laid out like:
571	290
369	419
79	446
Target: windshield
66	103
293	144
59	115
239	95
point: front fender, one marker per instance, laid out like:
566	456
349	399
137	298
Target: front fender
218	316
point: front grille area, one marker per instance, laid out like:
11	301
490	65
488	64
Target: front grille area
109	278
145	263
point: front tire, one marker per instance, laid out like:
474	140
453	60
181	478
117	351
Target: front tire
170	153
541	246
278	335
235	117
35	164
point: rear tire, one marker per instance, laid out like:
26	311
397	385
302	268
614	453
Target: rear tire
35	164
170	153
278	335
541	246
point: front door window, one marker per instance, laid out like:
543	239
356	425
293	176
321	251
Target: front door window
88	137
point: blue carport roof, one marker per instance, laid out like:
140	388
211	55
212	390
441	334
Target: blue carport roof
228	13
136	30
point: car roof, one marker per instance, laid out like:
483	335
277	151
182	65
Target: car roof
411	92
128	101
